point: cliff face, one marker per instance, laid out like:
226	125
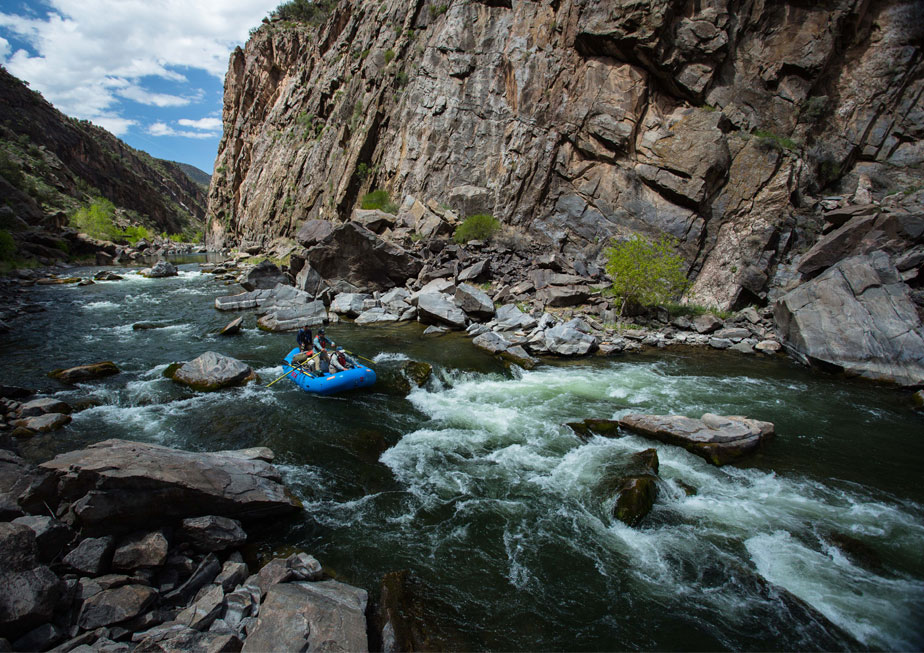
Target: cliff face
720	123
66	161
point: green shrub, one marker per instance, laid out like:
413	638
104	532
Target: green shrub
389	55
96	220
480	226
378	199
7	245
305	11
813	108
645	272
769	140
438	10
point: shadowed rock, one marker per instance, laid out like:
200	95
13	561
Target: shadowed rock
263	276
355	254
716	438
233	327
117	483
85	372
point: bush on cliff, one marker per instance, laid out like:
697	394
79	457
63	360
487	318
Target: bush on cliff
97	221
480	226
305	11
378	199
645	272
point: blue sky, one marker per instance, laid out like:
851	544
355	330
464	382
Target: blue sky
149	71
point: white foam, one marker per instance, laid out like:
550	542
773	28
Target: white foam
387	357
99	306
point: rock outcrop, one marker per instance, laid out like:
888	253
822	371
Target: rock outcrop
213	371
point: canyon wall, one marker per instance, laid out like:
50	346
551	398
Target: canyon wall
722	123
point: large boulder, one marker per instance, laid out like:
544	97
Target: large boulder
349	303
160	270
115	605
263	276
290	318
310	281
566	340
213	371
326	615
510	318
474	301
128	485
313	232
719	439
30	590
18	479
858	317
438	308
373	219
213	533
85	372
355	254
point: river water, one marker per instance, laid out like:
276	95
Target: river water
474	484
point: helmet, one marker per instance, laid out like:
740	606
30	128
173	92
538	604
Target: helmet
321	330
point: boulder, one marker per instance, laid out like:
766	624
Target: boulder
43	405
43	423
40	638
290	318
28	599
418	372
377	314
373	219
117	483
115	606
510	318
707	323
233	327
348	303
263	276
474	301
474	272
21	486
325	615
213	533
718	439
213	371
160	270
518	356
564	295
51	535
92	556
203	575
231	575
310	281
857	317
355	254
14	392
313	232
85	372
439	309
491	342
141	549
205	610
565	340
638	490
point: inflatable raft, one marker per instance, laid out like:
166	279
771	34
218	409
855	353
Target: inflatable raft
358	377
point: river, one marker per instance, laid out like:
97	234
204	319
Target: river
474	484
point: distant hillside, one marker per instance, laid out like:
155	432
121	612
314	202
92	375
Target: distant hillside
201	177
50	164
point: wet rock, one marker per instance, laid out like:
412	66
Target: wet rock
918	399
143	549
85	372
718	439
213	533
214	371
635	498
51	535
348	303
326	614
15	392
858	317
589	427
115	605
43	423
474	301
149	326
438	308
232	328
106	275
518	356
857	551
132	484
57	281
160	270
720	343
768	346
42	406
418	372
92	556
265	275
434	330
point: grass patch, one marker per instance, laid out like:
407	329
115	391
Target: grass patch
769	140
380	200
480	226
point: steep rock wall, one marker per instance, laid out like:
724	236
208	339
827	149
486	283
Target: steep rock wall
719	123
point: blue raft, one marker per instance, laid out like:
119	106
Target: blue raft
358	377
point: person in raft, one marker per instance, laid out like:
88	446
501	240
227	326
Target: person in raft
339	362
305	345
321	341
322	364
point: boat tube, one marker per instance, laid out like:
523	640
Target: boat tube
358	377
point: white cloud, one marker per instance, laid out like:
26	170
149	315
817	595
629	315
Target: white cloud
209	124
114	124
89	54
163	129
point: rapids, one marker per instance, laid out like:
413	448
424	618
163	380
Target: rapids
474	484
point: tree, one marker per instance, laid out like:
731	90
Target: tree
645	272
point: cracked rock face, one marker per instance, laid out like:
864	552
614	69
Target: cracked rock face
577	121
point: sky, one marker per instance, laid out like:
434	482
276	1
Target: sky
149	71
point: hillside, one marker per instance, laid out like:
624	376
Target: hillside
51	164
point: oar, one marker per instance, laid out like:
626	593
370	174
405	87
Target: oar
358	356
297	366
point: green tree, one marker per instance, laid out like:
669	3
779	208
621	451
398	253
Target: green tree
645	272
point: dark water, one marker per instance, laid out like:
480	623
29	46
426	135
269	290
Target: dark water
474	484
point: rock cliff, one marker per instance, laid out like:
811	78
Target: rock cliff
720	123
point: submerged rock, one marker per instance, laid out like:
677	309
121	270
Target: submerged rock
718	439
233	327
160	270
85	372
589	427
213	371
418	372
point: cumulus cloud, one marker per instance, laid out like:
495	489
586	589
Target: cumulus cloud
209	124
163	129
86	56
